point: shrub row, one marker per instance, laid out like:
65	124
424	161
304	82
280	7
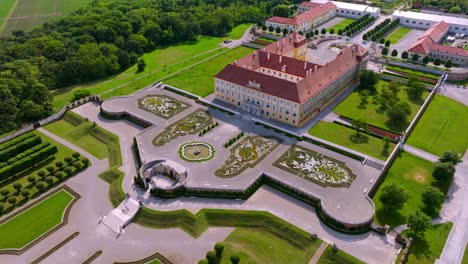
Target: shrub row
234	139
19	147
23	164
24	154
41	183
381	30
358	24
207	129
16	141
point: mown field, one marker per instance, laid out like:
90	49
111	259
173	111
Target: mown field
160	64
5	8
32	13
398	34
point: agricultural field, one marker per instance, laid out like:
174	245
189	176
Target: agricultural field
160	64
343	136
371	113
257	246
28	14
398	34
440	128
341	25
24	228
199	80
51	164
427	249
414	175
5	9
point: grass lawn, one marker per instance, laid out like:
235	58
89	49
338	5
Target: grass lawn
159	64
465	256
371	114
411	71
5	9
340	257
63	152
341	25
413	174
442	127
199	80
341	135
37	12
257	246
34	222
428	249
398	34
94	139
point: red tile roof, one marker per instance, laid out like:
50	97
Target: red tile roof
436	32
422	46
449	50
286	44
309	4
317	11
314	77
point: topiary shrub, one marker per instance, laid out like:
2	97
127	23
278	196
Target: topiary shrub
41	174
5	192
211	257
85	161
17	186
76	155
1	207
59	164
25	193
31	179
219	248
12	200
59	175
68	170
76	165
40	185
67	159
235	259
49	180
50	168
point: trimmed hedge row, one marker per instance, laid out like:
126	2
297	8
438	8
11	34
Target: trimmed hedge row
27	162
24	154
15	149
16	141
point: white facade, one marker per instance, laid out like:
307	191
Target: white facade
355	10
425	21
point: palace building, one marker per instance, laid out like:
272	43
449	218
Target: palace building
278	82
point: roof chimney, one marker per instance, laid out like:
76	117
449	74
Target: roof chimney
305	65
235	62
315	68
268	56
280	58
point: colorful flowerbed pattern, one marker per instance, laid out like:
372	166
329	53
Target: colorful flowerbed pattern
162	105
189	125
247	153
315	167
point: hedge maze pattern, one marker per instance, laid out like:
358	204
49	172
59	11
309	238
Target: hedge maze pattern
315	167
189	125
162	105
248	153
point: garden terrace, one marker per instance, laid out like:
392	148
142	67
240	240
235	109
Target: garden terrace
19	232
189	125
163	106
248	153
315	167
252	167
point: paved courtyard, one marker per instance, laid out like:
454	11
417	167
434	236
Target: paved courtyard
350	205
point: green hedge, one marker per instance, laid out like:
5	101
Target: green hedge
24	154
9	171
16	141
18	147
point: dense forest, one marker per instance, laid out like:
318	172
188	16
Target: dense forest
101	39
451	6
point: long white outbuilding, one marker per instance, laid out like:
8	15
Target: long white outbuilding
425	21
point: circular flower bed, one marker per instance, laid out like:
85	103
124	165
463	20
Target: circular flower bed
196	151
